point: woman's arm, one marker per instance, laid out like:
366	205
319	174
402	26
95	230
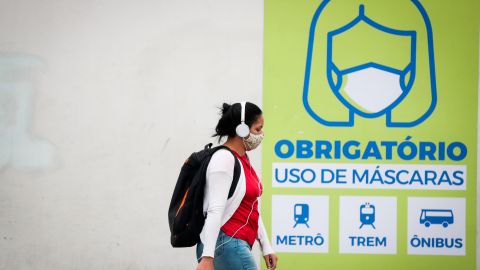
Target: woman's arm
262	238
219	180
268	253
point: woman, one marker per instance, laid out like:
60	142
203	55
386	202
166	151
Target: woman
232	225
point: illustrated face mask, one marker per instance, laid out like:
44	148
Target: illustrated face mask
372	89
253	141
372	81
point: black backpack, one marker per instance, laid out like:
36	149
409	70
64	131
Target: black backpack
185	214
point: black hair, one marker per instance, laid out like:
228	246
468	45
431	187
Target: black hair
231	118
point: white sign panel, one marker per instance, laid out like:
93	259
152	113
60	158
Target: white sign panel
369	176
368	225
436	226
300	223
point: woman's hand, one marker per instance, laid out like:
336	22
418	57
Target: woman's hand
205	264
271	261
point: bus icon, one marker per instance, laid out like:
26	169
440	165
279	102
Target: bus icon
436	216
301	214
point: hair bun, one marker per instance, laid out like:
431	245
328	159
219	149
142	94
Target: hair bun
225	107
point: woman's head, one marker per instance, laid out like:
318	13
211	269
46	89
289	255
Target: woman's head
231	118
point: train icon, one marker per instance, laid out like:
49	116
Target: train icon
367	214
301	214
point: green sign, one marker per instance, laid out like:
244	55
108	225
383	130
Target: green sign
371	133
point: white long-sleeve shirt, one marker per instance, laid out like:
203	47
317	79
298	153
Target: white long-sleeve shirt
218	208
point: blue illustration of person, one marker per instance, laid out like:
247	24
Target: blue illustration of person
364	62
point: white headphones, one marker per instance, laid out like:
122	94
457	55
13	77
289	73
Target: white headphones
242	129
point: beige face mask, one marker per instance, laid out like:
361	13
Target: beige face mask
253	141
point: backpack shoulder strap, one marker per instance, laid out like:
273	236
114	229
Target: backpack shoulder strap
236	177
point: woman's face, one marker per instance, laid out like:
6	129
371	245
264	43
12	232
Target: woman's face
257	126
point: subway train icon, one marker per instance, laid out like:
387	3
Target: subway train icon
301	214
367	214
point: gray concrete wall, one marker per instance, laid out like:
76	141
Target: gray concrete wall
100	103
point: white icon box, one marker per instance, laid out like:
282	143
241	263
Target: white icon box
368	225
300	223
436	226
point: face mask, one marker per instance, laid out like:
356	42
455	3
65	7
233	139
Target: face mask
253	141
372	90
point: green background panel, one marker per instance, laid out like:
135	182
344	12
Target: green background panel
455	35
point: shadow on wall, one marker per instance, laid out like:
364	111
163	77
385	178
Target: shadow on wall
18	148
